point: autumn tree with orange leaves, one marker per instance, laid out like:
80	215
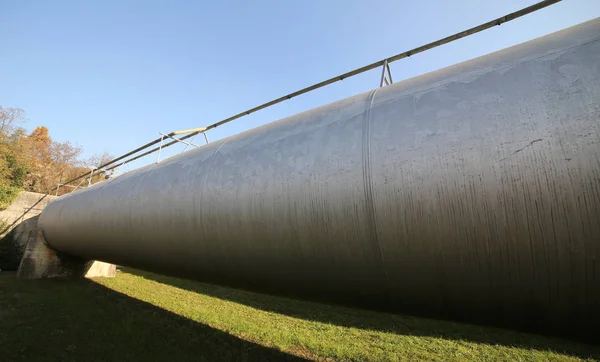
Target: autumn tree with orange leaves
51	162
35	162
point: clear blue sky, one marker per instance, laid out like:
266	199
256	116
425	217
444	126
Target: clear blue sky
110	75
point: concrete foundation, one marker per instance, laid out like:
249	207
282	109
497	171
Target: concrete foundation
40	261
16	222
101	269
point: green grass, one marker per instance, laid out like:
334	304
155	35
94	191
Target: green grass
148	317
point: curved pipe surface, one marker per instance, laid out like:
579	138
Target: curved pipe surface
471	191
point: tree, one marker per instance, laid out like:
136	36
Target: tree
14	163
9	119
95	162
13	159
98	160
14	153
51	162
35	162
40	145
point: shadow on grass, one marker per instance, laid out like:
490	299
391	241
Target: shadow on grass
385	322
77	320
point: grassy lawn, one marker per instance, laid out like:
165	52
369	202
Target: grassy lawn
146	317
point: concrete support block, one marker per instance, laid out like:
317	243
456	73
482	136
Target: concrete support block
40	261
101	269
16	222
12	246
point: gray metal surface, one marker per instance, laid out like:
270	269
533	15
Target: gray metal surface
473	191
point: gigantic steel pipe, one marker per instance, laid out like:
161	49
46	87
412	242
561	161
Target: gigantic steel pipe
473	190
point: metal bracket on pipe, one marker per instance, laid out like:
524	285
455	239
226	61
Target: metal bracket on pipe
114	172
178	140
386	74
191	141
188	145
160	148
92	169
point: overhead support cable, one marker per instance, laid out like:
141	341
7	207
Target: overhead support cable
386	78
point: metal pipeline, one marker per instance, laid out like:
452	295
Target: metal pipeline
472	191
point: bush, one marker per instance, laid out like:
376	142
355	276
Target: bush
8	194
